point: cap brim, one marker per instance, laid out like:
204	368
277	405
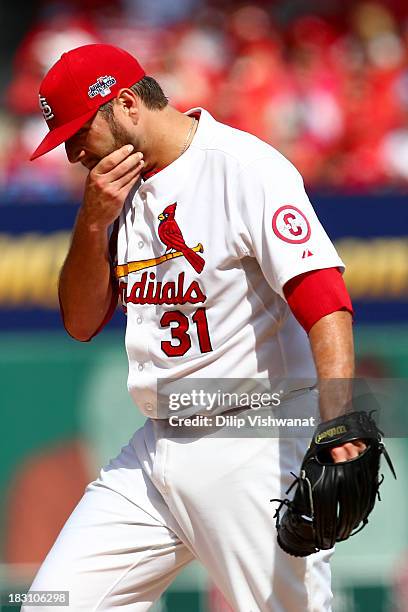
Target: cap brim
62	133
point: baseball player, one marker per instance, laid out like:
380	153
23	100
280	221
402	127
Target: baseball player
206	236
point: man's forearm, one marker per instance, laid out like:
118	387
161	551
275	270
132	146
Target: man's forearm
85	287
331	339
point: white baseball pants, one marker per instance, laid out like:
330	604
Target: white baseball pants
163	502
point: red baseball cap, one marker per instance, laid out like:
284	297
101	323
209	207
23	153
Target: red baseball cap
78	84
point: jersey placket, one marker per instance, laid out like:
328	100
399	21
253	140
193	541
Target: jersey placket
140	316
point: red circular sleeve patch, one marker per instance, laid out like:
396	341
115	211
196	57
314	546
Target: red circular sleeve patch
290	224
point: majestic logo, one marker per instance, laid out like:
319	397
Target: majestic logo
46	108
102	86
290	225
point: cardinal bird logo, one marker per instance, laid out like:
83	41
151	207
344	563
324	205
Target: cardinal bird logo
171	236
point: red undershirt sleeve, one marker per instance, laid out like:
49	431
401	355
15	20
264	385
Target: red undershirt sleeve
315	294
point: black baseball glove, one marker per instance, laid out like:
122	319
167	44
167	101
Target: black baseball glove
332	500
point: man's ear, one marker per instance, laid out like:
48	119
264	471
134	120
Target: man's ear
129	103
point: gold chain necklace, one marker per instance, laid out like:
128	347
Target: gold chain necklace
189	135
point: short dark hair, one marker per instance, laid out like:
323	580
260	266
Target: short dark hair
148	90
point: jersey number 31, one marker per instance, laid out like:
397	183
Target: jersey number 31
180	333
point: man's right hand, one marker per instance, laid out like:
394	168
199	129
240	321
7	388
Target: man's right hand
108	184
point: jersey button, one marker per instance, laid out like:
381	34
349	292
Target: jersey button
148	406
140	367
139	320
140	244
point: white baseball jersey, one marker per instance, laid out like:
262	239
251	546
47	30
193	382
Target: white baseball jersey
204	249
203	284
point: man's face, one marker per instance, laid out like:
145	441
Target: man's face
97	138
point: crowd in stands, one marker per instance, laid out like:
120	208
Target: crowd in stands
329	90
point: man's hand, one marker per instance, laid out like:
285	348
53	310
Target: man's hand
333	500
347	451
107	186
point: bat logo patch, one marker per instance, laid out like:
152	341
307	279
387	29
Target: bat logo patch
171	236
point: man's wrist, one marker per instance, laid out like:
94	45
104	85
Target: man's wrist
90	224
335	397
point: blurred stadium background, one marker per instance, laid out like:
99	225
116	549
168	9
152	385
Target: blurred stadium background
326	82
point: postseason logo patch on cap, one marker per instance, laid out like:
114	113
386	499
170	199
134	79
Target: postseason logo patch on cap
102	86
